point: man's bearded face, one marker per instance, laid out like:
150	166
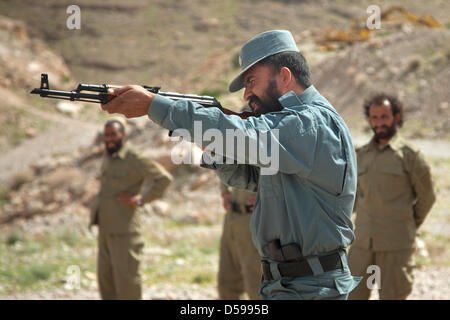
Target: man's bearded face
382	121
261	90
266	102
385	132
113	138
113	147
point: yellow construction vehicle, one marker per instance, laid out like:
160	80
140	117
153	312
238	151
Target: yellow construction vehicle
359	32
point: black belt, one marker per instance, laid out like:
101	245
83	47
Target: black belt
301	268
240	208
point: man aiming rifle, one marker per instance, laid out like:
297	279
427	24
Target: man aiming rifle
301	220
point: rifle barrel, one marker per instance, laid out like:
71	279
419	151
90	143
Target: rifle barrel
103	97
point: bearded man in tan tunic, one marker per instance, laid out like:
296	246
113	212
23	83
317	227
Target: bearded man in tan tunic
394	195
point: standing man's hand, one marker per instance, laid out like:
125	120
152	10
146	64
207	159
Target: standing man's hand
129	200
250	204
131	101
226	197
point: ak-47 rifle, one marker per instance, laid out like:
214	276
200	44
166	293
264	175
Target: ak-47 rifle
101	95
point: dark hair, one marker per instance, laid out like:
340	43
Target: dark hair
379	98
292	60
111	122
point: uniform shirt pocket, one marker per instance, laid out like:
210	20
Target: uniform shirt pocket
362	170
391	181
118	181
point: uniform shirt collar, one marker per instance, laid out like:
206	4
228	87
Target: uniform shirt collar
290	99
395	143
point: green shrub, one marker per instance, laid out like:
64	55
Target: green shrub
12	239
202	278
41	272
27	276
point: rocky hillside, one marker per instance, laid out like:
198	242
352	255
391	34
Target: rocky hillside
67	181
22	59
413	64
191	46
